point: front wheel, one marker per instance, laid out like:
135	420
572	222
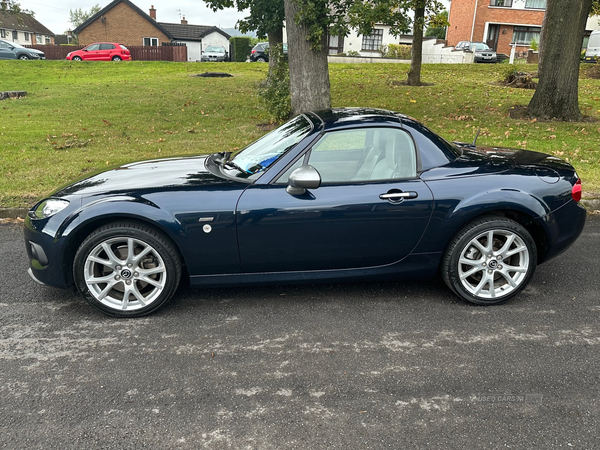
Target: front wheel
76	58
489	261
23	57
126	269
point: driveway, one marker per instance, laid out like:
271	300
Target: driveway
369	365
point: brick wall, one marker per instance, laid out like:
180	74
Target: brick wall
123	25
461	22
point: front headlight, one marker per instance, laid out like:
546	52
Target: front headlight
69	54
49	207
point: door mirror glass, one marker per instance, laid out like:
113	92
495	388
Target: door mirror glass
303	178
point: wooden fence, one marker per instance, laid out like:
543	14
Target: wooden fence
138	53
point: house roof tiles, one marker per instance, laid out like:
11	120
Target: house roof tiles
22	22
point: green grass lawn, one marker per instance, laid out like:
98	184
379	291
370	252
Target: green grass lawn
81	117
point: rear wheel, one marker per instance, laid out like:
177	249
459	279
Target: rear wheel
77	58
261	59
489	261
117	58
126	269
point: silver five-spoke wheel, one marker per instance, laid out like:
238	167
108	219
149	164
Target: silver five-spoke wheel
126	269
489	260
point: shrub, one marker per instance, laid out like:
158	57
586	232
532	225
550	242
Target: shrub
593	71
274	92
241	48
399	51
534	45
352	53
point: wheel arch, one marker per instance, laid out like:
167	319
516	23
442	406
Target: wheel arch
83	229
526	219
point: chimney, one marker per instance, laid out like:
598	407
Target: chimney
152	12
183	21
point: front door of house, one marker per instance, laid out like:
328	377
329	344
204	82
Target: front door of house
492	37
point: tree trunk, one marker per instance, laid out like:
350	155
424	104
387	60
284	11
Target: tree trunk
560	48
416	53
309	72
275	38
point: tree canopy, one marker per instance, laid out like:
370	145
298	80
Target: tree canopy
78	16
14	7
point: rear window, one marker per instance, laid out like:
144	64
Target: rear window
122	46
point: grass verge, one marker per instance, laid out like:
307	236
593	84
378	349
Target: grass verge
82	117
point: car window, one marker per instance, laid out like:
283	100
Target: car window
370	154
480	46
92	47
122	46
106	46
262	153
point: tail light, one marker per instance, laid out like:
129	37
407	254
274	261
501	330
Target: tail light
253	51
576	191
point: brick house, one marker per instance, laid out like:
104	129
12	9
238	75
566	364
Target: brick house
122	21
499	23
23	28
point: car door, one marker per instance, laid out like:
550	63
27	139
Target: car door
7	52
105	52
371	208
91	52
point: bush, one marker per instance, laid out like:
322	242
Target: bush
399	51
274	92
352	53
593	72
241	48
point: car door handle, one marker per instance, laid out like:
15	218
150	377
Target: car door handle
398	195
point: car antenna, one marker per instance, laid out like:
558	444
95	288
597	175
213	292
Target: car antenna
476	136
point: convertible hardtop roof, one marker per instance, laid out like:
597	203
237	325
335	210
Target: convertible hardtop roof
343	117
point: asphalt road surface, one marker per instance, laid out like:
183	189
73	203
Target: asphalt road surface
369	365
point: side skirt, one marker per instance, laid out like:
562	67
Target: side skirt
413	266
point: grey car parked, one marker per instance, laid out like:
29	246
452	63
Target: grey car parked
12	50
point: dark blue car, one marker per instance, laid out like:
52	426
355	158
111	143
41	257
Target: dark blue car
343	194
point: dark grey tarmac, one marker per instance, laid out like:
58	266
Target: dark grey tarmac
370	365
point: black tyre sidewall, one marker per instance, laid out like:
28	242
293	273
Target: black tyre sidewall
463	237
149	236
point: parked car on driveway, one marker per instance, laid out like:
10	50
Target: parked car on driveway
481	51
101	51
260	52
592	52
12	50
344	194
214	53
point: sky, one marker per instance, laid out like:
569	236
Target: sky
55	15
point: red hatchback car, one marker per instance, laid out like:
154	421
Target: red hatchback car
101	51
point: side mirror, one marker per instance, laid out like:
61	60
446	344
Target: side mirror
303	178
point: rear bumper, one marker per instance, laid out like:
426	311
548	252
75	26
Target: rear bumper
565	225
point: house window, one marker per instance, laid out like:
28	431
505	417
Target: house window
150	42
47	40
15	35
26	36
373	41
2	33
505	3
524	35
537	4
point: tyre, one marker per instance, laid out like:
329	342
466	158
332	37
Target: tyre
489	261
261	59
77	58
117	58
126	269
23	57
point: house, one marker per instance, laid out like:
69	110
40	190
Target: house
367	45
122	21
23	29
499	23
196	37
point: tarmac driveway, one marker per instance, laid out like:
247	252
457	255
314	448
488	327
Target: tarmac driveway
369	365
